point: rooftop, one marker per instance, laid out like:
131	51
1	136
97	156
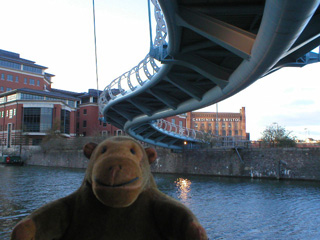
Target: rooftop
43	93
15	57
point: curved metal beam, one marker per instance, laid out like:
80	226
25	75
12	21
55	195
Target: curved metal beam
247	56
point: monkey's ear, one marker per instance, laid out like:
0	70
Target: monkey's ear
152	154
88	149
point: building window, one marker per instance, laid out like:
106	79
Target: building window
46	119
9	89
10	64
236	132
224	133
71	103
104	124
12	97
14	112
31	119
65	121
1	89
37	119
31	81
85	100
25	96
36	141
25	81
9	78
84	124
173	121
2	76
223	125
32	69
56	99
180	124
10	113
17	79
84	111
38	83
196	125
229	133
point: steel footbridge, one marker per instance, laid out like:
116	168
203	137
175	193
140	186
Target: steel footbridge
204	51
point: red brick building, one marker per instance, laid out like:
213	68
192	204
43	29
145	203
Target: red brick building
87	117
179	120
218	124
31	114
87	120
16	72
30	108
221	124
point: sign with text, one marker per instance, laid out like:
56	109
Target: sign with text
216	119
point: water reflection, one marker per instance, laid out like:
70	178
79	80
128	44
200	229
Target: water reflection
228	208
184	187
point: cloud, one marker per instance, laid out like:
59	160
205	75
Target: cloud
302	102
296	119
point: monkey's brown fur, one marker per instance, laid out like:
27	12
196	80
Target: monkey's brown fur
117	200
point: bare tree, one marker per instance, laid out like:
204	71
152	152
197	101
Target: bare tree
278	136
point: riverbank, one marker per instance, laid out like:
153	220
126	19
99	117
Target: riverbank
274	163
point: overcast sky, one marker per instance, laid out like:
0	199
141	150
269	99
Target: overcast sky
58	34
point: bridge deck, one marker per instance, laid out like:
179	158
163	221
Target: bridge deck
215	49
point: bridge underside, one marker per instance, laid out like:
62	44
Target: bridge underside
216	48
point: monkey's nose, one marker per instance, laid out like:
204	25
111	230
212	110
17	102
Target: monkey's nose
113	171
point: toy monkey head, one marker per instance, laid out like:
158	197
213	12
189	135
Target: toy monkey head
119	170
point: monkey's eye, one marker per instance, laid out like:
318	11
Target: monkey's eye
104	149
132	151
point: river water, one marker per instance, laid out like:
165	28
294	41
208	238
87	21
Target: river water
228	208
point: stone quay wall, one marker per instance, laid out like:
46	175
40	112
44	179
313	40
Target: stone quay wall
276	163
65	158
